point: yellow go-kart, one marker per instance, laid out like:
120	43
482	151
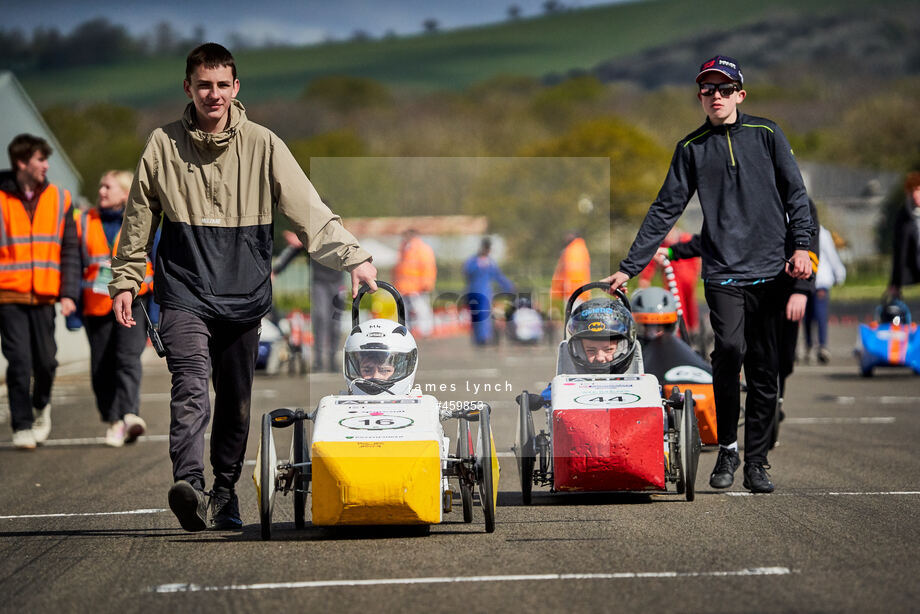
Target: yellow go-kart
378	455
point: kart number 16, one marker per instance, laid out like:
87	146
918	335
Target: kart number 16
376	423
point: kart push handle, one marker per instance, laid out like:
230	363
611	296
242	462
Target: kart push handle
400	306
590	286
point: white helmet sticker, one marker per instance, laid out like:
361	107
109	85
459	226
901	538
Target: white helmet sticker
686	373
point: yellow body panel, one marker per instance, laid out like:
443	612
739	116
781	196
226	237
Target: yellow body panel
371	483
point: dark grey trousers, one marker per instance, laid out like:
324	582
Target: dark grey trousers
115	363
27	338
225	352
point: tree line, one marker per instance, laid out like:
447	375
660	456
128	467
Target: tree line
97	41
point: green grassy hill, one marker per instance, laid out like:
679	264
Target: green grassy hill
449	60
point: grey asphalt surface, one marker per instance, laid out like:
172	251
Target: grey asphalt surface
839	534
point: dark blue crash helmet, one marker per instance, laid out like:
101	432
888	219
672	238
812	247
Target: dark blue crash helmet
610	332
893	311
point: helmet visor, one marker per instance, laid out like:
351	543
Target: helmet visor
379	365
601	352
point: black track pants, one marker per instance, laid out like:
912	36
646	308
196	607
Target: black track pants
745	321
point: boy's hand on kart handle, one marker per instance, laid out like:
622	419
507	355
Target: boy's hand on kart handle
799	266
660	256
364	272
617	281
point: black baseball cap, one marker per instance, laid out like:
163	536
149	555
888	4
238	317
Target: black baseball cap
723	64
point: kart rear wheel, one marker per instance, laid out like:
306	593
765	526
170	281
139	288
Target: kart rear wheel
689	446
266	477
301	476
525	448
465	451
484	465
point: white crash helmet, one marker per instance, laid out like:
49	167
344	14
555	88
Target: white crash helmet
379	346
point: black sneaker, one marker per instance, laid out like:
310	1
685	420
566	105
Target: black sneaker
723	475
190	506
225	510
756	478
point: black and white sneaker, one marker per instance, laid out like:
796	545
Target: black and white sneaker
756	478
723	474
190	506
225	510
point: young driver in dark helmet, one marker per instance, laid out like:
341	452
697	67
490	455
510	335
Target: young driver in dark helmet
602	339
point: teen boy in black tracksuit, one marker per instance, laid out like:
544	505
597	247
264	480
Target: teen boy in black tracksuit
795	291
752	194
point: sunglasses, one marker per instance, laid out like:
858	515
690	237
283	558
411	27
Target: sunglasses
725	89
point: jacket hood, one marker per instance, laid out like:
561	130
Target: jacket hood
221	140
9	185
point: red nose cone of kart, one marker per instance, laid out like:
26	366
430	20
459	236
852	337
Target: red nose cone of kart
618	449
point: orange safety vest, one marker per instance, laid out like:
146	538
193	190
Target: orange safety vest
97	263
572	271
30	249
416	270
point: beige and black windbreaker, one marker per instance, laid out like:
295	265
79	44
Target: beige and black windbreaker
217	194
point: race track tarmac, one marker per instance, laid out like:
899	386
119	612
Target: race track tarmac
84	527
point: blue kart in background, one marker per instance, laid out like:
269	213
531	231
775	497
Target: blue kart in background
891	340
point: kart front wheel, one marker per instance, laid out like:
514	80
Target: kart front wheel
301	474
465	451
484	465
266	477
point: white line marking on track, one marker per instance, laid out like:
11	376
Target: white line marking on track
126	513
194	588
842	420
86	441
832	494
884	400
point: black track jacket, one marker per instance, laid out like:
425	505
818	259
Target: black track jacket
748	183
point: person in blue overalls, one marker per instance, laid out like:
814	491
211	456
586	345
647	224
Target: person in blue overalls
480	271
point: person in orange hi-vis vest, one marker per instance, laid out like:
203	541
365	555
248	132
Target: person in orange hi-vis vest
572	270
414	276
39	265
115	351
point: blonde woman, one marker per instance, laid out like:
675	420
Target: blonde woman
115	351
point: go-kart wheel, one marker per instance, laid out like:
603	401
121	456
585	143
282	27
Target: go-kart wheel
301	477
676	458
465	451
266	477
689	445
525	448
484	470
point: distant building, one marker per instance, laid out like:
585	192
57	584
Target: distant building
20	115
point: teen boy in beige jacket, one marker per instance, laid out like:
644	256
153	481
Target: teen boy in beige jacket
216	178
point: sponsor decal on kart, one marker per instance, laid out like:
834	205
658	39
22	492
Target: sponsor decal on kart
366	401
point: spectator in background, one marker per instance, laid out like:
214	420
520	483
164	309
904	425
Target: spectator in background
39	265
480	271
831	272
905	262
686	273
326	306
414	276
115	351
573	269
